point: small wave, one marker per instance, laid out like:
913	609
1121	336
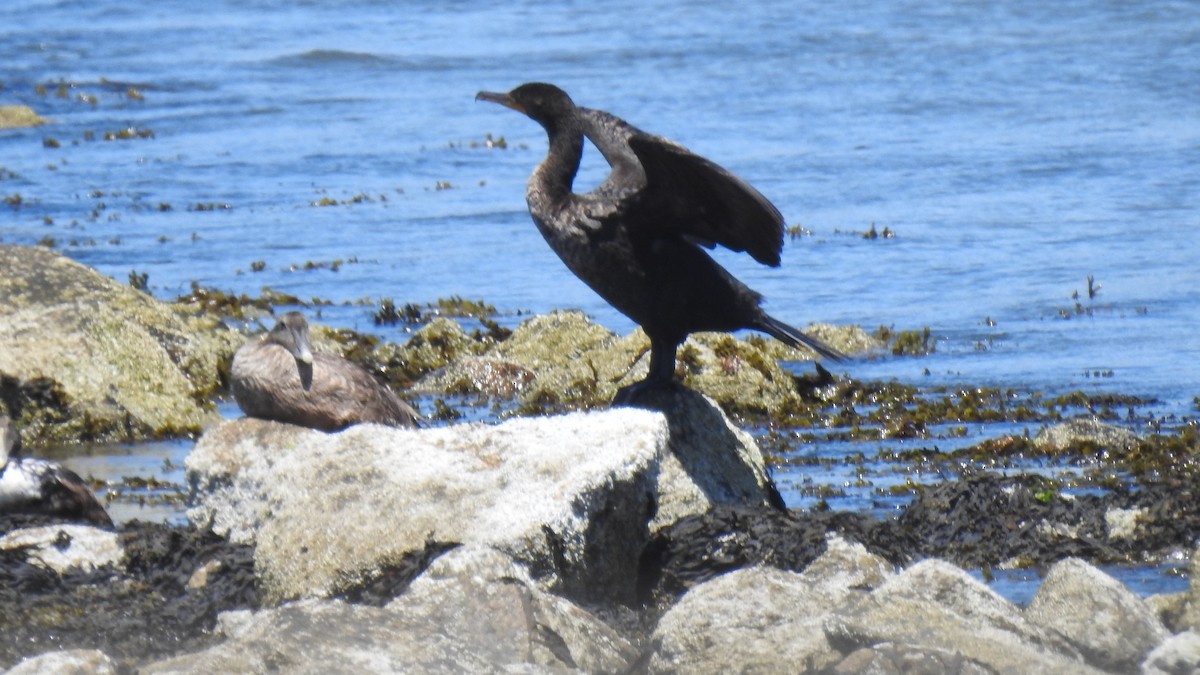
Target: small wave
324	57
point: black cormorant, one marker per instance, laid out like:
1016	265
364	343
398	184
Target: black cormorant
636	239
37	486
279	378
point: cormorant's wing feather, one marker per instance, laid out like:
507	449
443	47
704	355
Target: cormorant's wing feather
665	184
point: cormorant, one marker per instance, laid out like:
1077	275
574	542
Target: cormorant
279	378
38	486
636	239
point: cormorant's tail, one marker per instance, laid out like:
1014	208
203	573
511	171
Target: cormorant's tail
792	336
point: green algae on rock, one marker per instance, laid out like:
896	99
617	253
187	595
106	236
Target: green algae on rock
564	362
83	357
430	348
19	117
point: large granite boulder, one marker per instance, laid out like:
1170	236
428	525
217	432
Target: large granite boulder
760	619
472	610
936	605
1111	626
83	357
570	497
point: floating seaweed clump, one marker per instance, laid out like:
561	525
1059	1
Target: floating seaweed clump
907	342
127	134
389	315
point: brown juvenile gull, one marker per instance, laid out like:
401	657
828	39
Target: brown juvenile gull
636	239
278	377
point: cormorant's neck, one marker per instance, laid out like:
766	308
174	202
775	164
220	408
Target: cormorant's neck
556	174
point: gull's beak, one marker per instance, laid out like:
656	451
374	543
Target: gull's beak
503	99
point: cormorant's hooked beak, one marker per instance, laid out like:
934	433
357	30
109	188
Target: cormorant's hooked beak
503	99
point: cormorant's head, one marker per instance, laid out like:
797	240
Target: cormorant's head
544	103
292	334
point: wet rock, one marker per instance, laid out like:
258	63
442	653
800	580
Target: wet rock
63	547
19	116
1081	430
67	662
893	659
986	519
1111	626
568	496
83	357
1178	655
463	615
936	605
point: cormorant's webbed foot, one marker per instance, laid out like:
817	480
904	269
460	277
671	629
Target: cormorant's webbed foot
636	394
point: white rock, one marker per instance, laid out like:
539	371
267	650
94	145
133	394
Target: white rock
1178	655
567	496
324	507
846	567
68	662
1122	523
934	604
756	619
1110	625
61	547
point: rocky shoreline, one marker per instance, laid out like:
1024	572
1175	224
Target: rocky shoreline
573	538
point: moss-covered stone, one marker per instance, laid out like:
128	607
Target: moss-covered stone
19	116
433	346
563	361
83	357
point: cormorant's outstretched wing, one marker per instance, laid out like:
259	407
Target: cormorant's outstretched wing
662	184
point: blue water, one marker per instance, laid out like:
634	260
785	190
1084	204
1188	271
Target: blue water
1014	149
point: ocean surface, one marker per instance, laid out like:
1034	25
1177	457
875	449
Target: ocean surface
335	151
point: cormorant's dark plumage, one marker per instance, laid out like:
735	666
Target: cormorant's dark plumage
280	378
636	238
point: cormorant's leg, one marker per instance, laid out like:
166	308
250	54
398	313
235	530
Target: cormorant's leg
662	363
661	375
